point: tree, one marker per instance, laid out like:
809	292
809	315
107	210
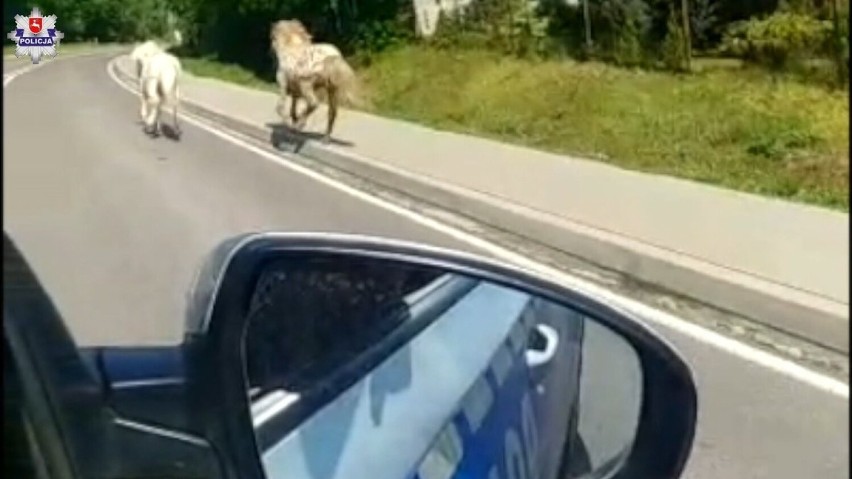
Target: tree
840	41
622	28
703	21
686	36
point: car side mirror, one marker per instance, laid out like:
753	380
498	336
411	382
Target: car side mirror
322	355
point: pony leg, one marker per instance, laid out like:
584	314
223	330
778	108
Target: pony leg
332	114
152	119
175	105
310	96
294	109
151	97
158	110
280	106
284	91
143	110
143	99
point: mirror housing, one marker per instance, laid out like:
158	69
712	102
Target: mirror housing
217	322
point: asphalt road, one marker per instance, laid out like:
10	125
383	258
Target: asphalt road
115	224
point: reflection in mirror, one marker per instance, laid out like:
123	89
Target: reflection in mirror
610	398
365	367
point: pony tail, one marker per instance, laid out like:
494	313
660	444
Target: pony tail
342	77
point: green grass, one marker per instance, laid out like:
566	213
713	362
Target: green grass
723	125
205	67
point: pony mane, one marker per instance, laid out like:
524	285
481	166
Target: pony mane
283	31
146	48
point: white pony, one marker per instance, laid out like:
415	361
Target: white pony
159	73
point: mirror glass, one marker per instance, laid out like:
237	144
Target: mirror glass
374	368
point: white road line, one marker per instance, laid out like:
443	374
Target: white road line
8	77
662	318
692	330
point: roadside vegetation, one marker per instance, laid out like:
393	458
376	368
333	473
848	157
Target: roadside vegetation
737	128
748	95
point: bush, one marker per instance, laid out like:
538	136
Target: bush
457	30
621	27
777	40
374	37
513	27
530	31
840	44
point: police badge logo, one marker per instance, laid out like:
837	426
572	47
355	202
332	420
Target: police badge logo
35	36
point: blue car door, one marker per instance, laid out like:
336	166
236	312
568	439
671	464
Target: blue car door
513	422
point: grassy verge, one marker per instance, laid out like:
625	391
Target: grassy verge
80	47
727	126
231	73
